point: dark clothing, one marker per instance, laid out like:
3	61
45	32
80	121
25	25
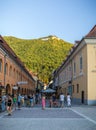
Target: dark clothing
36	98
9	102
54	98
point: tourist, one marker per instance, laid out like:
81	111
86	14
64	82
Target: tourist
43	102
68	100
19	101
9	105
61	100
15	101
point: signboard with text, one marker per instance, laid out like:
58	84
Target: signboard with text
22	82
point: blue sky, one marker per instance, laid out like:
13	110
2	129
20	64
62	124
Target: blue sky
69	20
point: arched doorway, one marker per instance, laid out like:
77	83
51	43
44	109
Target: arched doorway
19	90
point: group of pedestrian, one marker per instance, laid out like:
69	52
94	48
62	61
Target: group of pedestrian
53	101
32	99
17	101
6	103
26	100
65	100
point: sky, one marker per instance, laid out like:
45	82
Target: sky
69	20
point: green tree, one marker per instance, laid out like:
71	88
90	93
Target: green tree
41	56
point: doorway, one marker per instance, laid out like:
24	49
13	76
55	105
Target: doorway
82	97
70	90
8	89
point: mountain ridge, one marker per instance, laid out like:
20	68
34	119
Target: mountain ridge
40	56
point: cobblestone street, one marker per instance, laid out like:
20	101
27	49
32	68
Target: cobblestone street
75	118
39	113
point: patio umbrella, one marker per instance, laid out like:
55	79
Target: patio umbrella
49	90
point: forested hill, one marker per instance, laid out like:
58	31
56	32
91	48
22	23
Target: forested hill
42	55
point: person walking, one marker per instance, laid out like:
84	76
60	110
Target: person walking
15	101
9	105
43	102
34	101
61	100
3	103
31	100
39	98
36	98
19	101
68	100
50	102
22	101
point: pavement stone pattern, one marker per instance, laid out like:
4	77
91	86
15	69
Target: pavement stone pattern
47	113
74	118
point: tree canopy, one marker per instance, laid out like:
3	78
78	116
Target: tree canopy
40	56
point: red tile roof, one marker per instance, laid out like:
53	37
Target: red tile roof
92	33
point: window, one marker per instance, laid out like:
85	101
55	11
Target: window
10	71
70	72
77	88
6	68
0	65
14	73
17	74
81	63
74	68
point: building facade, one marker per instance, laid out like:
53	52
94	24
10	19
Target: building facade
77	74
14	77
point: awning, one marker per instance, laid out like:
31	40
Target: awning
15	87
49	90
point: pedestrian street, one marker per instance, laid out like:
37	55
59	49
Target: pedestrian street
74	118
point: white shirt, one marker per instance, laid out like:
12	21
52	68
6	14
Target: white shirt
68	98
61	97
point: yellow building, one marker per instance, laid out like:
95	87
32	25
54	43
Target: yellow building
77	74
13	74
